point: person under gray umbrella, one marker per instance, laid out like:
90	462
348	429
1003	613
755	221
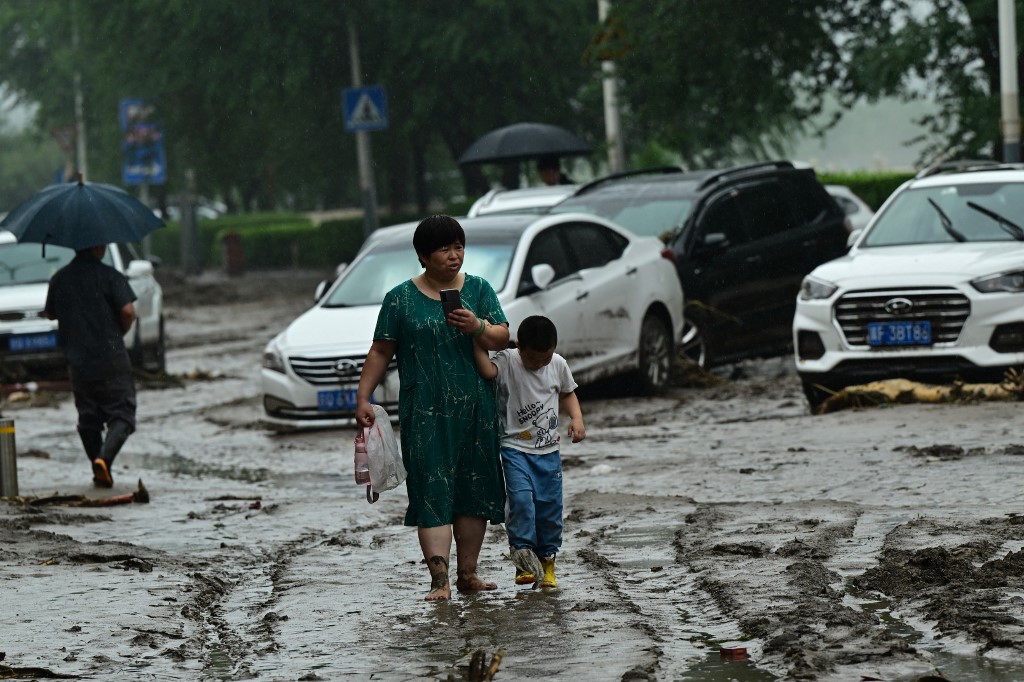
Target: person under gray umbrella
94	306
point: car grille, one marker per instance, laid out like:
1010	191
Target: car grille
331	370
15	315
946	309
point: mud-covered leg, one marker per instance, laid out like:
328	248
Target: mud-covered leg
440	588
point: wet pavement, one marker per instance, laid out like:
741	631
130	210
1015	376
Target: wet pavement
876	543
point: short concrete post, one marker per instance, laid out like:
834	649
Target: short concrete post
8	460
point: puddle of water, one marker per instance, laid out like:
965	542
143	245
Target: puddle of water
716	668
953	666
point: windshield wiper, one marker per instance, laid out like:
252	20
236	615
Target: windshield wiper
1008	225
947	224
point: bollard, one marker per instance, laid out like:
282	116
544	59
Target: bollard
8	460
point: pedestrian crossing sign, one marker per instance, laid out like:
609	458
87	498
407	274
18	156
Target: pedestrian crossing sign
366	108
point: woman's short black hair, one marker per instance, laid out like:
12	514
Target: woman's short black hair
537	333
436	231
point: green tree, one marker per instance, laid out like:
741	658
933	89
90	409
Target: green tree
731	79
946	51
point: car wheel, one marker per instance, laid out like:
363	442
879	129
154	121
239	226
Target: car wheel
693	346
655	354
816	395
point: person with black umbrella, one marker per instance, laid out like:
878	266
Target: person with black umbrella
92	302
94	306
550	170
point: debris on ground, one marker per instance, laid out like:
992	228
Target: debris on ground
903	391
140	496
686	373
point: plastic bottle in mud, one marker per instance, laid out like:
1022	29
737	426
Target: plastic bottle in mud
362	459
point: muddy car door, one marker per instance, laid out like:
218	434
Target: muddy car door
610	285
557	300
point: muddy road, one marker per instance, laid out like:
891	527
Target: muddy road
882	543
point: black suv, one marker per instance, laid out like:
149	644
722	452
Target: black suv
743	239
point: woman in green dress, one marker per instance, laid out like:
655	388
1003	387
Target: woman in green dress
447	415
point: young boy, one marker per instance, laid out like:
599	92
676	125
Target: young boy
533	382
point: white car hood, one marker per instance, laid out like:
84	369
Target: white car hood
23	296
330	331
935	263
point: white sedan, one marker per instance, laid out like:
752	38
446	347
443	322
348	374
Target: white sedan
28	340
933	290
614	297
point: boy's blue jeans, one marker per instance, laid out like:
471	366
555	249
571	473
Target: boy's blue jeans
533	516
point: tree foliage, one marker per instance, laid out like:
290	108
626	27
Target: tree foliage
249	93
946	51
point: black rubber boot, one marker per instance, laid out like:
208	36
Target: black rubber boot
117	433
92	441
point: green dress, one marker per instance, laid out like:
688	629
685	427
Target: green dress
446	410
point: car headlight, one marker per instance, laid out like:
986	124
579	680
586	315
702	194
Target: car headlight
1011	282
272	359
813	288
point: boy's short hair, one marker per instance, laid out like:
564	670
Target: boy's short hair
537	333
436	231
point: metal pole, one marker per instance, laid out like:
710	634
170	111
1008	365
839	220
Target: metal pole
8	459
79	97
1010	122
363	152
612	122
147	247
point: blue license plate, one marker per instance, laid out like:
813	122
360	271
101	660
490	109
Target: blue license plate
24	343
900	333
336	399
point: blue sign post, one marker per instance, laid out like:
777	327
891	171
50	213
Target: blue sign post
142	144
366	108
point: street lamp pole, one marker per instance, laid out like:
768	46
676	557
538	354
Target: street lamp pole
612	121
79	97
1010	121
363	152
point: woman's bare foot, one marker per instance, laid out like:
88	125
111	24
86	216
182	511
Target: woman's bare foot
471	582
440	588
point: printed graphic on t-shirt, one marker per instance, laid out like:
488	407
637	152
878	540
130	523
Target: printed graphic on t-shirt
545	421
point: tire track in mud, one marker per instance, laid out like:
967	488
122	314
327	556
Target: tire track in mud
235	610
963	581
778	588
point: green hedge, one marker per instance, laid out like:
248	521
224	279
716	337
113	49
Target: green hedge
873	188
270	241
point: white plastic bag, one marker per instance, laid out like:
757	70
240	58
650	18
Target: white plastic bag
386	468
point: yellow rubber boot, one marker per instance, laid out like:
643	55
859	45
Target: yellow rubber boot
525	577
549	573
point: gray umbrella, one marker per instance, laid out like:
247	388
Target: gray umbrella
522	141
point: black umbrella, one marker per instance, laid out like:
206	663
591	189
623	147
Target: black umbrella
79	215
521	141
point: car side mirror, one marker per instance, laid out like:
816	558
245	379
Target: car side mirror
542	275
712	243
853	237
321	289
139	268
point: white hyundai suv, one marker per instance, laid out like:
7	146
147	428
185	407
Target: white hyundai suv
932	290
28	340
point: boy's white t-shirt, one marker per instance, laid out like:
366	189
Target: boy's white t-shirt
528	401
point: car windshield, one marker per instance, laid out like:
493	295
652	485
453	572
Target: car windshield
975	212
644	210
24	263
387	265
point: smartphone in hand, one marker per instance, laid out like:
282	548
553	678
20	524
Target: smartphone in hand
451	300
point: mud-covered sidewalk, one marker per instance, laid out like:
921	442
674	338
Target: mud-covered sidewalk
882	543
